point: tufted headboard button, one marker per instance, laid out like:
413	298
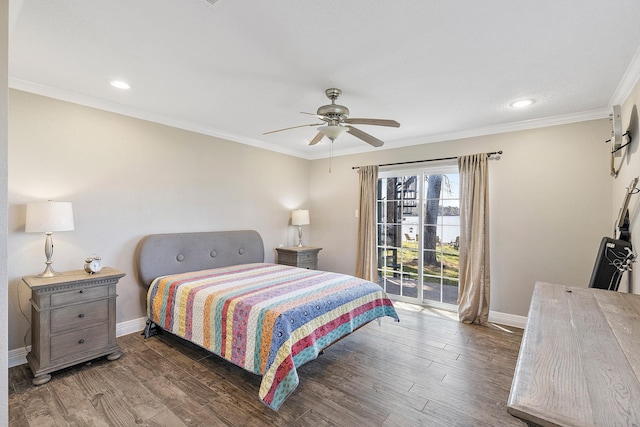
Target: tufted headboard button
241	251
213	254
180	257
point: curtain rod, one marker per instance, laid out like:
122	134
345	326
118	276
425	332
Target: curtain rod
427	160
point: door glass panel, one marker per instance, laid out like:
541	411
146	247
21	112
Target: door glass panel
432	287
410	285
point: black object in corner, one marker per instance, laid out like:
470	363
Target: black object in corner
613	255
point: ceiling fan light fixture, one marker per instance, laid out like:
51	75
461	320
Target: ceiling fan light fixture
336	120
332	131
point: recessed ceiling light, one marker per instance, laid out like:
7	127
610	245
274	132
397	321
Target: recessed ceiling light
522	103
120	84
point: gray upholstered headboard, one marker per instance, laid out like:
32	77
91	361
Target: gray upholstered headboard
163	254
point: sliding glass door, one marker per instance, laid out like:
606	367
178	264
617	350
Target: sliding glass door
418	222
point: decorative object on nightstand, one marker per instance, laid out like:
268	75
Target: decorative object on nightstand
300	218
73	320
47	217
93	264
296	256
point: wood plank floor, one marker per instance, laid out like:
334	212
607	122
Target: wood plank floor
427	370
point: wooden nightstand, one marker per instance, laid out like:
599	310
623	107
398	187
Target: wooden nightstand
296	256
73	320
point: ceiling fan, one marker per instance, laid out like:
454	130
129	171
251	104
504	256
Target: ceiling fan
336	120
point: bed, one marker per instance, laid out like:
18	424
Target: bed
215	290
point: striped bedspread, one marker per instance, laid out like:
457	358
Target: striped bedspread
265	318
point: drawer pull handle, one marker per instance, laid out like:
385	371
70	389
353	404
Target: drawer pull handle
81	315
81	341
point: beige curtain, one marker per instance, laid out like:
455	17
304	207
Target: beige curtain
473	296
366	258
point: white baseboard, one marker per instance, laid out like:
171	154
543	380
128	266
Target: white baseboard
18	356
494	316
507	319
130	326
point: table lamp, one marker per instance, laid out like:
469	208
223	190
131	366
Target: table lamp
47	217
300	218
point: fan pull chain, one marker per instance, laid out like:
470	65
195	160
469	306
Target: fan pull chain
330	154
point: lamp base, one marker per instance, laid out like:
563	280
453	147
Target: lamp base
48	253
300	236
48	272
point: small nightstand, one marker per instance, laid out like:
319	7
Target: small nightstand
73	320
299	256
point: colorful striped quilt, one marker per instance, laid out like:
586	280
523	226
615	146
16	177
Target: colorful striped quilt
265	318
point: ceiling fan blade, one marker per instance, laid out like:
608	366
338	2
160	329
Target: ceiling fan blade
369	139
293	127
318	116
375	122
316	138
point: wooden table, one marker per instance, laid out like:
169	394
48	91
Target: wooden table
579	361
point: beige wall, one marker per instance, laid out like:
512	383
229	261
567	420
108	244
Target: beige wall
127	178
629	165
550	205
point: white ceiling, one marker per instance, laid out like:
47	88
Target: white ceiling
235	69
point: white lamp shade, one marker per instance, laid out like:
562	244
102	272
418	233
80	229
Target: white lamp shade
48	216
332	132
300	217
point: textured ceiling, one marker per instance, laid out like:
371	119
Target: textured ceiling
236	69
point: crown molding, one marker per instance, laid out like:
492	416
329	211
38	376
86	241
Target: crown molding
514	127
628	81
490	130
113	107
